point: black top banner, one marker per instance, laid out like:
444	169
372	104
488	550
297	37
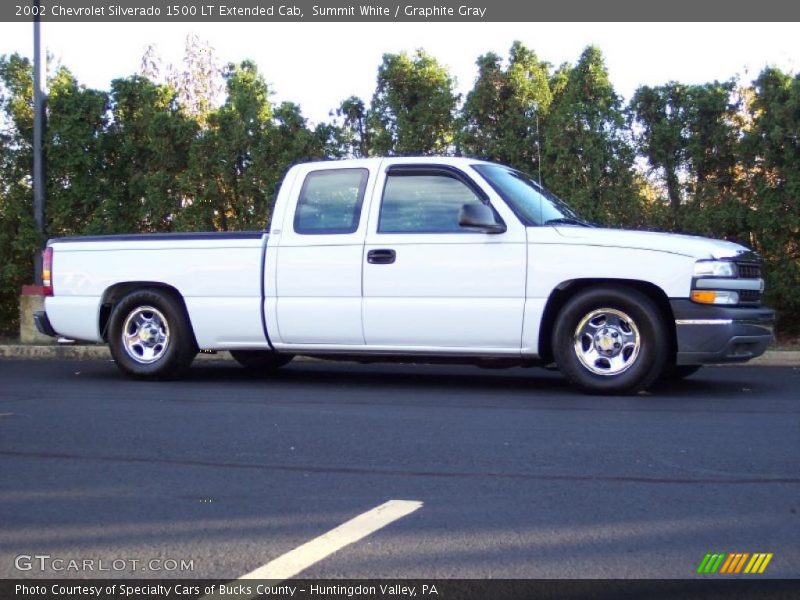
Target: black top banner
397	11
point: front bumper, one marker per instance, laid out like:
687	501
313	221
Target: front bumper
716	334
43	324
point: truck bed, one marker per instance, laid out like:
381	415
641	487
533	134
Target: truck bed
219	276
176	236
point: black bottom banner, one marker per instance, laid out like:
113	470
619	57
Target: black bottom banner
388	589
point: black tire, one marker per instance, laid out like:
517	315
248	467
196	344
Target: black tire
262	361
159	343
588	329
677	372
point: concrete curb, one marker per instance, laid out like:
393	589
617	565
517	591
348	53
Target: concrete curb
772	358
777	358
73	352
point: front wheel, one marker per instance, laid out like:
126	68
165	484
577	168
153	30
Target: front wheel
149	335
610	340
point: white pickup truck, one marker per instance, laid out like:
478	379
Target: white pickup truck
415	260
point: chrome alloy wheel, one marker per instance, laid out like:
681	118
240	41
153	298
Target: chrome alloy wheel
607	341
145	335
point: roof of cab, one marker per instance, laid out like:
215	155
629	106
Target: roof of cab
390	160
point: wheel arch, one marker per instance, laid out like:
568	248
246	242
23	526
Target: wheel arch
113	294
567	289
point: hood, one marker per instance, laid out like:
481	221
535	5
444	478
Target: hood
686	245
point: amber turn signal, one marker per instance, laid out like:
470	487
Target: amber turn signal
715	297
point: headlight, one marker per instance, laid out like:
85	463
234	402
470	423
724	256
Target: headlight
714	268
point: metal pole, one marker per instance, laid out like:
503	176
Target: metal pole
39	118
538	148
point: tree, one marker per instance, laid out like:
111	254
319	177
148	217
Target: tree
689	135
75	136
146	148
353	136
503	113
161	153
660	115
718	190
772	155
227	178
412	111
19	237
198	83
587	157
289	140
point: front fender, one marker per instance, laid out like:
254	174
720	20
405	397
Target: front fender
551	265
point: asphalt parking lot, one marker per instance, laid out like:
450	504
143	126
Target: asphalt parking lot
503	473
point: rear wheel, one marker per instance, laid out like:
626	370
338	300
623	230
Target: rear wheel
149	335
610	340
263	361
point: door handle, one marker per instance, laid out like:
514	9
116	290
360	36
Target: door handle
381	257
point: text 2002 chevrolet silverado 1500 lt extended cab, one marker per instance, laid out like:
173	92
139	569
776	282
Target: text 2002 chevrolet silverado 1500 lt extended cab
420	259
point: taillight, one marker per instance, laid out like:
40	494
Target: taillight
47	272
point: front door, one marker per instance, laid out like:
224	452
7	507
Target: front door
432	285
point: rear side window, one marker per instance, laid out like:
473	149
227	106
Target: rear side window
330	201
423	203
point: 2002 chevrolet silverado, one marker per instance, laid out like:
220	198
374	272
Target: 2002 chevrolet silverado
415	259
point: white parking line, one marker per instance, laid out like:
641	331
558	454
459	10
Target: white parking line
357	528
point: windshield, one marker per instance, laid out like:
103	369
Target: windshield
531	202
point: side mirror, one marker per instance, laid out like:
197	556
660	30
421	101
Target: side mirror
476	215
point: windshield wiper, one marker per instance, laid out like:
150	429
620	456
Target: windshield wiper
567	221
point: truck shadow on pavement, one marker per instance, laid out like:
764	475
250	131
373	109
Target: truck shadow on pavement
719	383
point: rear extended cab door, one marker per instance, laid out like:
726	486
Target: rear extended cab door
313	261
